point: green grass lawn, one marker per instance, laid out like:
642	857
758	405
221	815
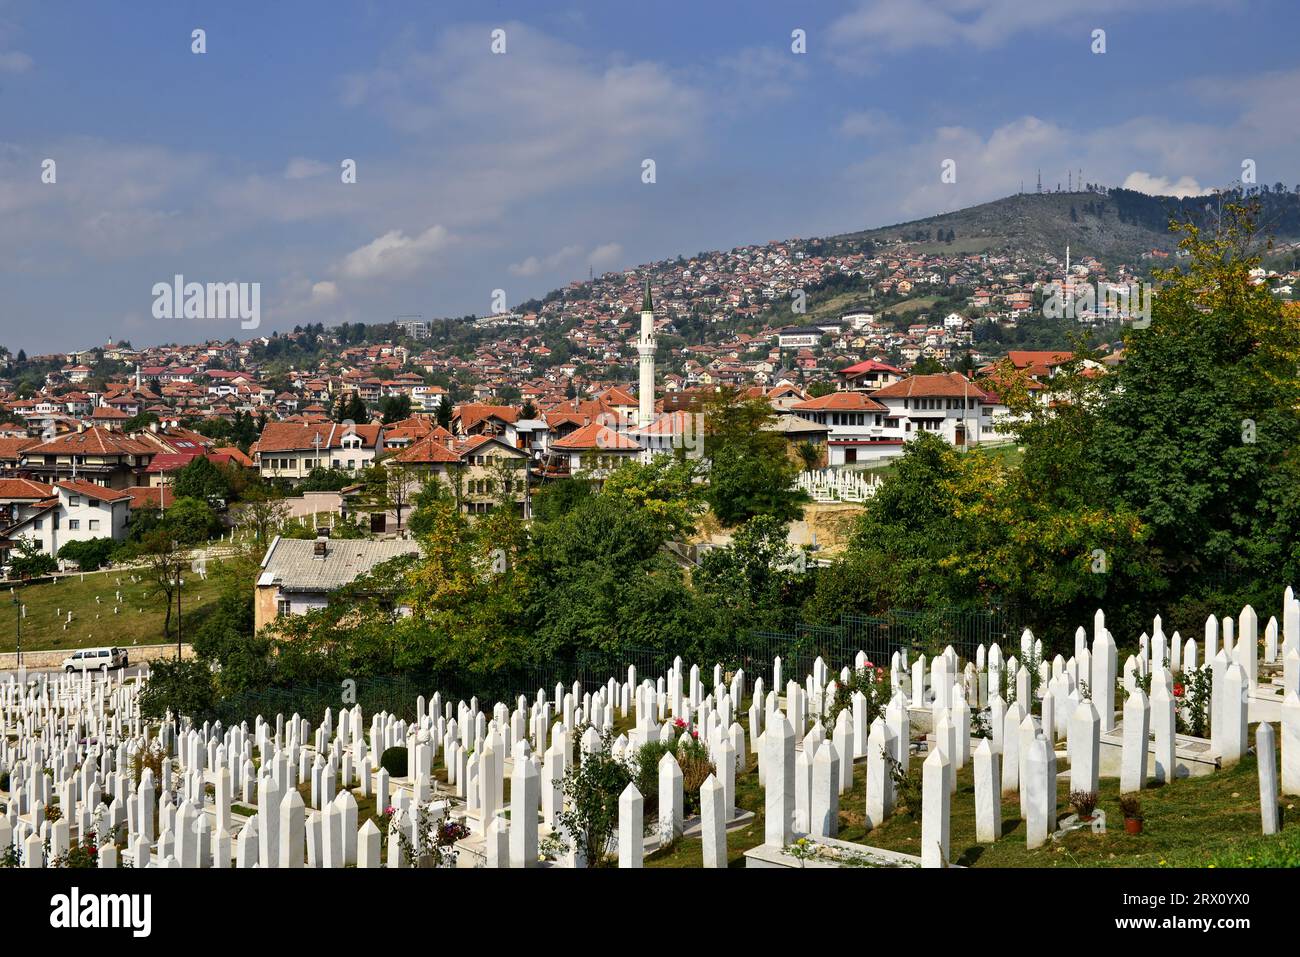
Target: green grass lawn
1008	454
48	606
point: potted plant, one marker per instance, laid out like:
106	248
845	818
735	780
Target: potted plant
1084	804
1131	808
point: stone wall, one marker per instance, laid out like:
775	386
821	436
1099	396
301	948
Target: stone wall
136	654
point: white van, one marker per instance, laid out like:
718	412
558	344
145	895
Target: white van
92	659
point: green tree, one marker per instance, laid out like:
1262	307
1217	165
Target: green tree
178	688
202	480
1200	431
191	521
750	472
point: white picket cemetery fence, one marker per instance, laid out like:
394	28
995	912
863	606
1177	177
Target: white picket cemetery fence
73	738
837	485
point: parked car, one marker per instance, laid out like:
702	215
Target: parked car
92	659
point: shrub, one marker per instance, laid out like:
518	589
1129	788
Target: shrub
692	757
90	554
4	780
593	788
645	768
151	758
394	761
28	561
873	682
696	767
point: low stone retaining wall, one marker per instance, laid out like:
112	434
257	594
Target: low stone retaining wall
136	654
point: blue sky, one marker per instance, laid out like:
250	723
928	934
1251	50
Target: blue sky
520	171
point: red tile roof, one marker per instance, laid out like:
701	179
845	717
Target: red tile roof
595	436
840	402
940	384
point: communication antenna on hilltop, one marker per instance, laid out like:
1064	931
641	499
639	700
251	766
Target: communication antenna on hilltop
1040	180
1069	181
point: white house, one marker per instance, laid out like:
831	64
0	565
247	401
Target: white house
78	512
858	428
291	450
947	404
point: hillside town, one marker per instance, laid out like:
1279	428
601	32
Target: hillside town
546	387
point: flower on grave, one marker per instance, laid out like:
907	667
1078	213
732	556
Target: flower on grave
1179	690
390	811
679	724
695	734
869	665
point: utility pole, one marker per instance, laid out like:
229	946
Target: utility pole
179	583
18	606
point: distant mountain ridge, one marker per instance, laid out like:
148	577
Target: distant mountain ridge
1116	225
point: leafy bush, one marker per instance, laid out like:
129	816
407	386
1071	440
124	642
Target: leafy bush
151	758
90	554
28	561
593	788
395	761
1192	696
873	682
693	757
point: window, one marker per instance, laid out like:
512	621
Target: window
38	523
94	524
74	523
74	499
282	606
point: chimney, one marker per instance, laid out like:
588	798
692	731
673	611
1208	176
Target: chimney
321	547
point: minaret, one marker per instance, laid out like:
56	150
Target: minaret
645	350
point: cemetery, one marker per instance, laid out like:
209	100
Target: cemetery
116	607
1175	752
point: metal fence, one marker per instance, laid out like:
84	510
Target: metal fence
878	637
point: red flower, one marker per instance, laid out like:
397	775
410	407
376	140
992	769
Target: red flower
1178	691
695	734
679	723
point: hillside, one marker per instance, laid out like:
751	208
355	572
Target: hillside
1119	225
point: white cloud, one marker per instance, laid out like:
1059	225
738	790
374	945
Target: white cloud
302	168
544	115
895	26
533	266
601	256
324	292
606	254
394	254
1144	182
